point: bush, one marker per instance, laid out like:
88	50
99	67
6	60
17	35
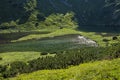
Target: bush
15	68
19	66
1	58
2	68
115	38
53	52
106	40
43	53
63	59
9	73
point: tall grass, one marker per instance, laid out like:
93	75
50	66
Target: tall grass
9	57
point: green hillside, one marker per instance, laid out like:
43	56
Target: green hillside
95	15
59	39
100	70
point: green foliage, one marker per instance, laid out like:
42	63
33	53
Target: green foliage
115	38
30	5
1	58
2	68
8	25
53	21
100	70
9	73
20	67
104	14
28	16
43	53
63	59
16	68
9	57
112	9
60	21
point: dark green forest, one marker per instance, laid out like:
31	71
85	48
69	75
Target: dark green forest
33	13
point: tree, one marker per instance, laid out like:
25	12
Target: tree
60	21
30	5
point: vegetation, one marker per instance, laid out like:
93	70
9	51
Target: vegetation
100	70
61	60
9	57
102	16
45	34
52	34
100	38
52	22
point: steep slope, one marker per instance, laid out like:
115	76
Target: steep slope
87	12
100	70
11	10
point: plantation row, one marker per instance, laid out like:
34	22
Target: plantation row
61	60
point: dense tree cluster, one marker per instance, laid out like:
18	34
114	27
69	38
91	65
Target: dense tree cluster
112	11
61	60
98	13
60	21
53	21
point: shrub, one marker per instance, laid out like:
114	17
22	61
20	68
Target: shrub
36	24
106	40
43	53
2	68
15	68
63	59
19	66
115	38
9	73
53	52
1	58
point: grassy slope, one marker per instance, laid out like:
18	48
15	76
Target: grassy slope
9	57
99	70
